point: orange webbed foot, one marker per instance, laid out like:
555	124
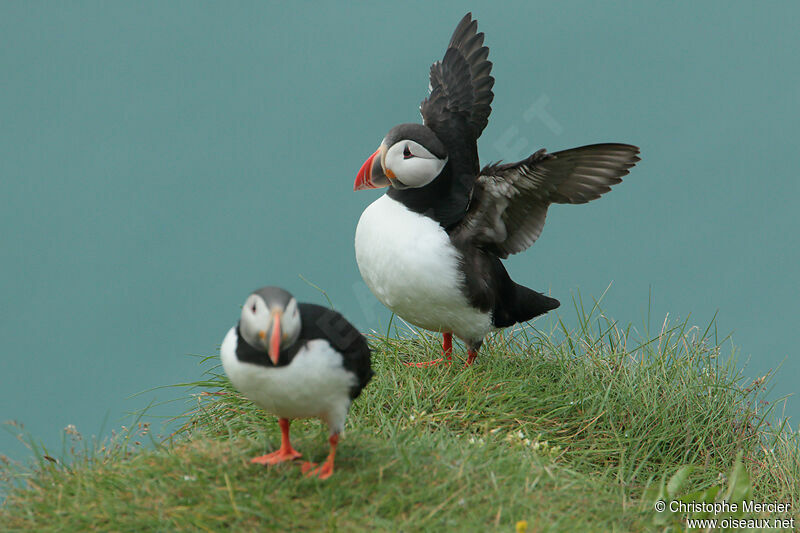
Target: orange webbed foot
323	471
326	469
284	453
447	351
277	457
428	364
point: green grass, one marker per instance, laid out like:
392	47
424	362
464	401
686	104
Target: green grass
566	430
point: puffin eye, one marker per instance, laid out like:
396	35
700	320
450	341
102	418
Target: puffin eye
407	153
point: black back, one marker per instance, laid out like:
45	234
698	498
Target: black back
319	322
323	323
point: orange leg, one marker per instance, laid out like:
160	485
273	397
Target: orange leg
323	472
447	344
447	350
471	355
285	453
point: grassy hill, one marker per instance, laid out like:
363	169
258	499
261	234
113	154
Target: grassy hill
559	431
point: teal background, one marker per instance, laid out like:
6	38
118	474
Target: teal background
160	160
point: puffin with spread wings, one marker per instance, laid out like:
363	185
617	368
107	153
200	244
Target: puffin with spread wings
430	249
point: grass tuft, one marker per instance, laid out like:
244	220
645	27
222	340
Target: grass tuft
566	430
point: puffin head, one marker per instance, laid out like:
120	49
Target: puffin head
270	321
411	155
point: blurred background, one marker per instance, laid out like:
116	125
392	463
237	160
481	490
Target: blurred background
158	161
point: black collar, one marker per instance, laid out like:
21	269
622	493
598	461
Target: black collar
444	200
247	354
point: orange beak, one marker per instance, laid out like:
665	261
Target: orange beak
275	339
370	175
364	176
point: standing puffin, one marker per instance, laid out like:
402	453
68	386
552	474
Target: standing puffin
430	249
296	361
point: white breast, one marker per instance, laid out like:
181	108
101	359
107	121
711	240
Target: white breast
314	384
410	265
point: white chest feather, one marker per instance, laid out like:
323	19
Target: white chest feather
410	265
314	384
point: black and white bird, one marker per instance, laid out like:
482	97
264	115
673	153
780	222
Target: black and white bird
296	361
430	249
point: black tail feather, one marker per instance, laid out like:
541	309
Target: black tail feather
527	304
532	304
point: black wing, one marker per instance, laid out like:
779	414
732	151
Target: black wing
322	323
458	106
510	202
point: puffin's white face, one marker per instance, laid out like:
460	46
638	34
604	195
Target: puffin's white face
410	156
409	164
269	328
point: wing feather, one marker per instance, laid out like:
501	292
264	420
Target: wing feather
510	201
460	98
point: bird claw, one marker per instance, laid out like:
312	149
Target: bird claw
428	364
277	457
310	469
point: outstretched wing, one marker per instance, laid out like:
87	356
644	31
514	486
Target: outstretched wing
458	105
509	202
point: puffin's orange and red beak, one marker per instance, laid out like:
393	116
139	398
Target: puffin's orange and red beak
275	339
364	177
371	175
